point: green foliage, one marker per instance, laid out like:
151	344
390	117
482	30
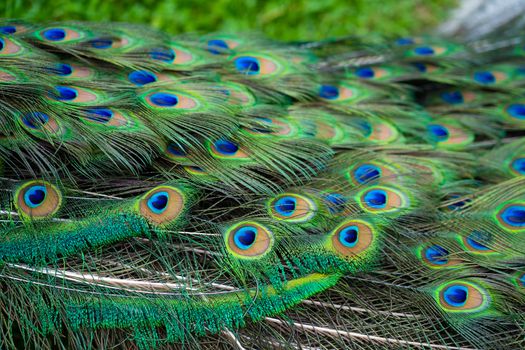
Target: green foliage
284	20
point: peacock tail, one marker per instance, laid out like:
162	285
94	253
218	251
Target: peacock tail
229	191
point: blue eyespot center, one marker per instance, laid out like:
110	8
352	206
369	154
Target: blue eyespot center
7	29
349	236
99	115
517	110
376	199
35	196
404	41
436	254
452	97
285	206
456	295
35	120
420	66
484	77
64	93
329	92
142	77
226	147
217	46
55	34
2	44
163	99
519	165
336	202
366	172
514	215
365	72
163	54
62	69
176	150
158	202
247	65
245	237
438	133
477	238
101	43
424	51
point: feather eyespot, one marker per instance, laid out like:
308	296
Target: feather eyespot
512	216
437	256
517	166
336	202
462	296
255	65
448	135
516	110
382	199
477	242
292	208
9	29
227	149
170	100
59	35
71	94
141	77
40	124
248	240
217	46
38	199
176	153
106	116
352	238
162	205
365	173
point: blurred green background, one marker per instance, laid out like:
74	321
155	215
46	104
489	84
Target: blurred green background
280	19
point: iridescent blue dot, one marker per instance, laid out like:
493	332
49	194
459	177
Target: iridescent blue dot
349	236
376	199
158	202
101	43
517	110
456	295
514	215
62	69
99	115
476	240
285	206
245	237
336	201
55	34
366	172
163	99
404	41
64	93
7	29
452	97
176	150
217	46
424	51
226	147
141	77
484	77
163	54
518	165
247	65
420	66
437	255
35	196
365	72
329	92
438	133
35	120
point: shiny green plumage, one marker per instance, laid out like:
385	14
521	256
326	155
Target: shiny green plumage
229	191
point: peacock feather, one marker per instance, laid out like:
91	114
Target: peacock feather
225	191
